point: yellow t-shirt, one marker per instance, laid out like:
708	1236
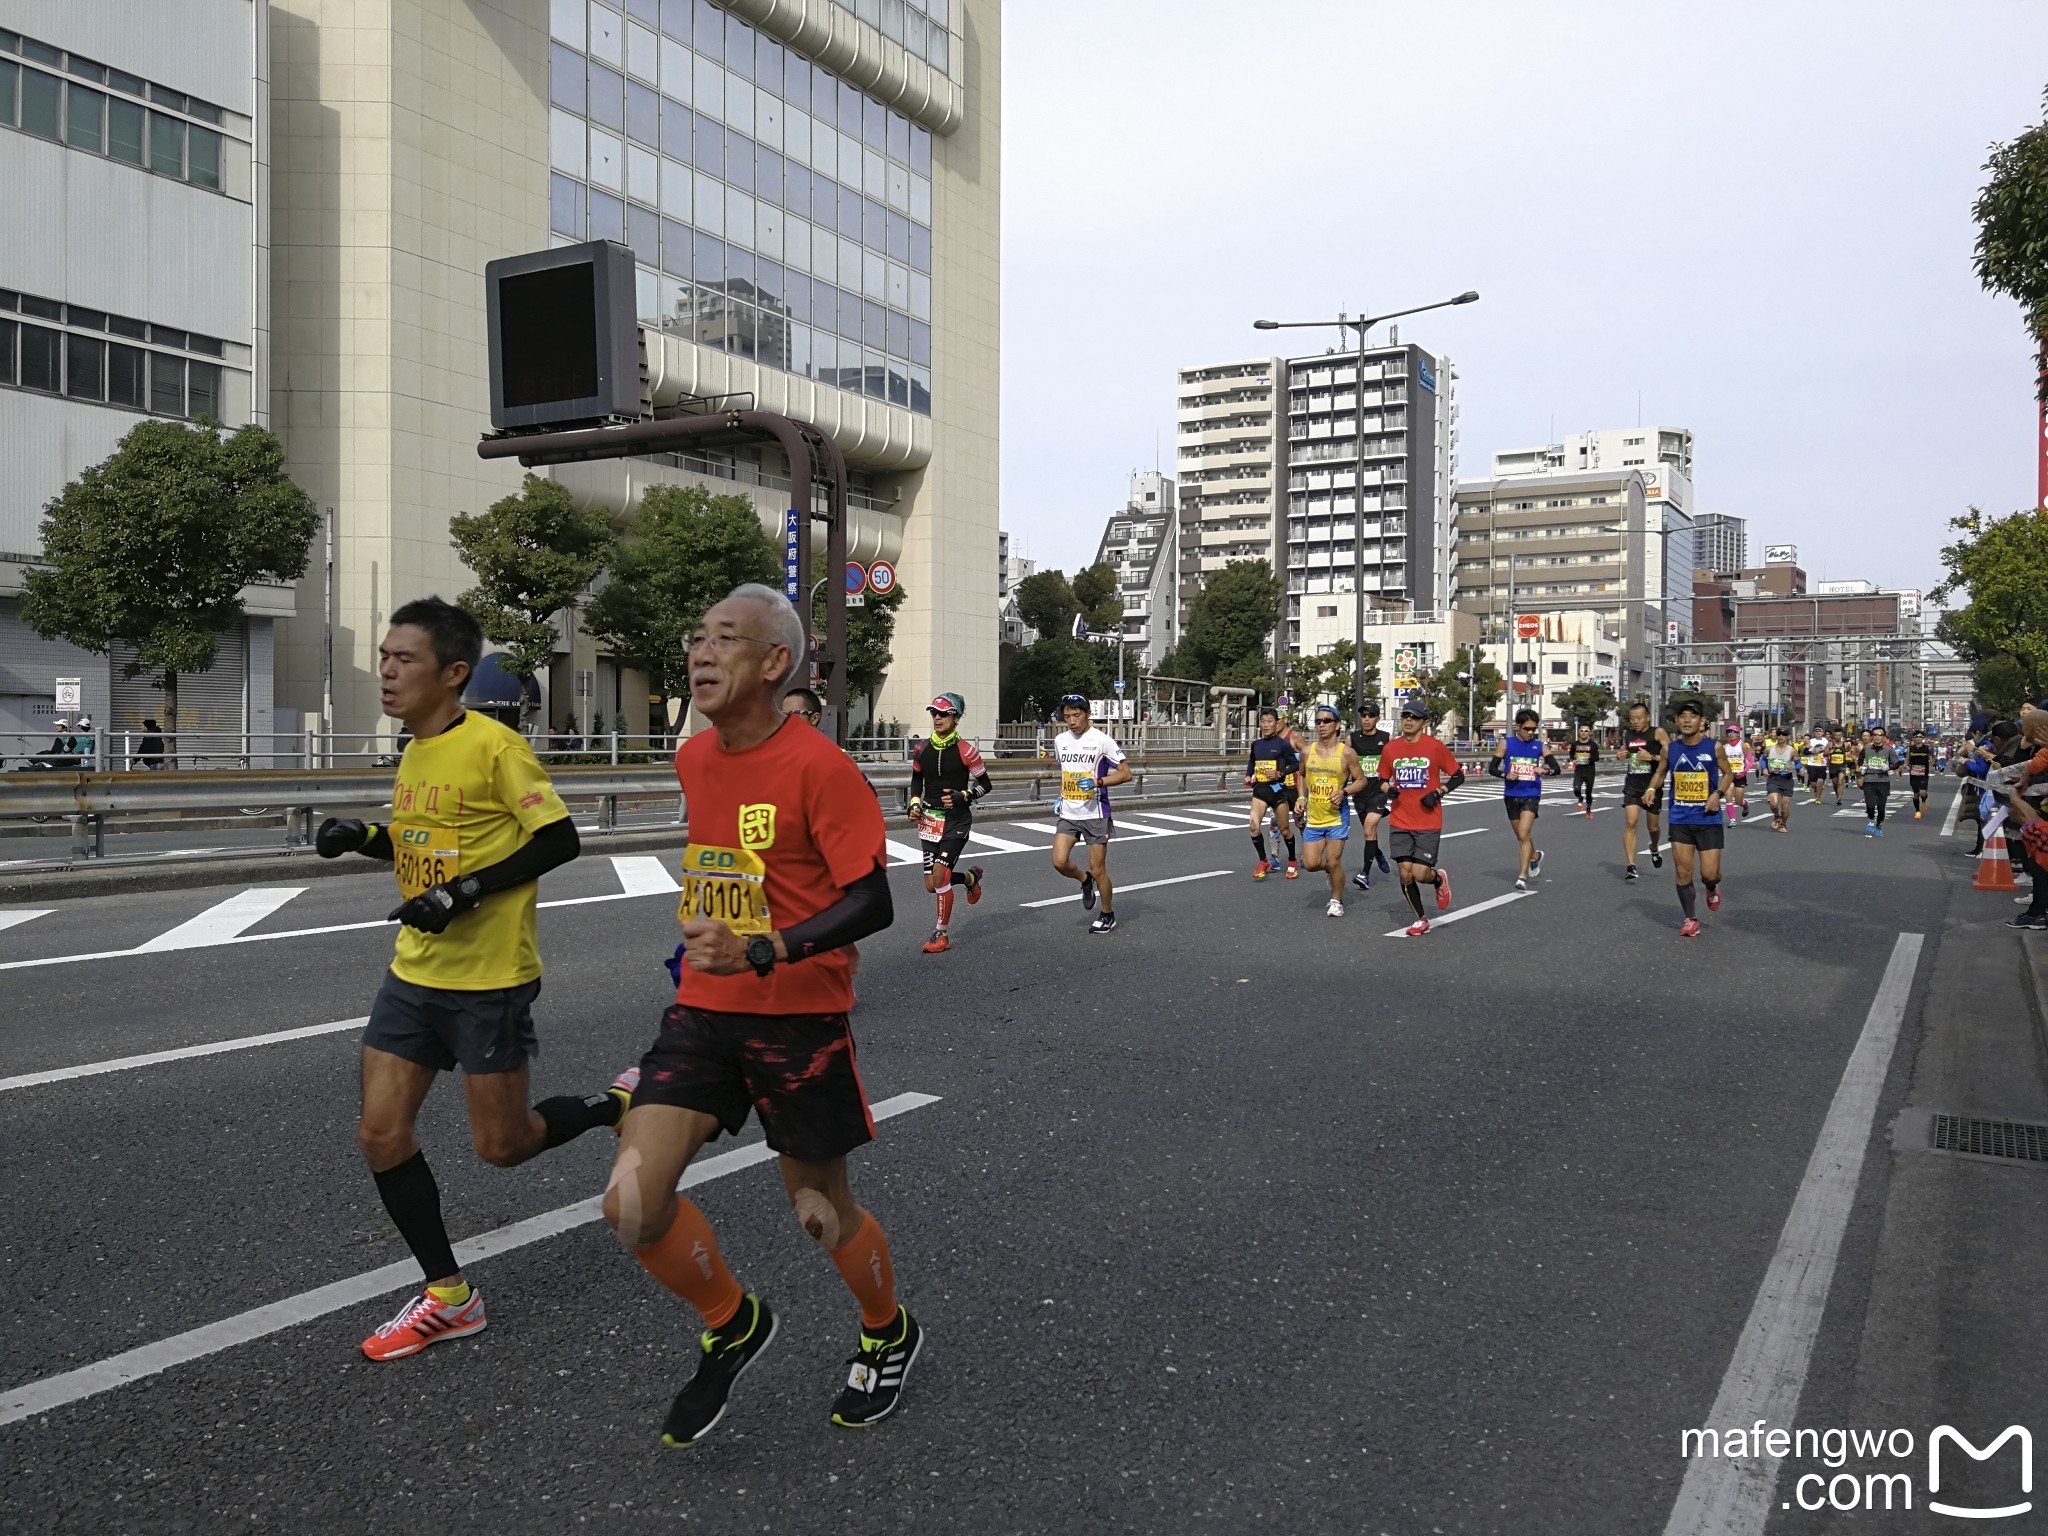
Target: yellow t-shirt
463	800
1325	785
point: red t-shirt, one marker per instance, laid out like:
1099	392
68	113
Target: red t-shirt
777	832
1411	770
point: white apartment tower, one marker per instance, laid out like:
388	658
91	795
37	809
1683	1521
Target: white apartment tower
1140	543
1231	457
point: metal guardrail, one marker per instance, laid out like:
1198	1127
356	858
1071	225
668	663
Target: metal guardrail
90	800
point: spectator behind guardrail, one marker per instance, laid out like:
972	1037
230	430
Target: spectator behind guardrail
150	750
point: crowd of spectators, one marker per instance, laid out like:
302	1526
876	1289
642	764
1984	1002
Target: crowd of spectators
2005	774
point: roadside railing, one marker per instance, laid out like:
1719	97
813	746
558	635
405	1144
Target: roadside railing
89	802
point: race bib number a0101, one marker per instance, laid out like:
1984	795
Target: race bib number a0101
423	857
725	885
1689	787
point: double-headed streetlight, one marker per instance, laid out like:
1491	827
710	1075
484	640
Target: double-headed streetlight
1363	325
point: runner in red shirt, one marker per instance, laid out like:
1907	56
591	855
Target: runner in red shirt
1418	771
785	870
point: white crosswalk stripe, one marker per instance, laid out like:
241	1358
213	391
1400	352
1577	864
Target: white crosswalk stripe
904	853
1002	844
643	874
16	919
223	920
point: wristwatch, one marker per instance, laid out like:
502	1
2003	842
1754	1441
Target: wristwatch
761	954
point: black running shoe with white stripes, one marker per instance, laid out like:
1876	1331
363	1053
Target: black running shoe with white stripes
874	1385
1087	893
727	1352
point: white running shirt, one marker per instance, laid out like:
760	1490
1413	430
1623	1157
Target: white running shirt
1082	761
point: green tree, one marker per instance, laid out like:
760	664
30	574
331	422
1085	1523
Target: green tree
2001	566
1052	666
1045	601
1586	703
1099	598
2012	231
1231	621
684	549
152	547
1446	692
1180	662
533	553
870	629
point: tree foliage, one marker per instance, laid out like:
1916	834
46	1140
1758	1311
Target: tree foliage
1308	678
1045	601
533	554
2001	566
1230	624
1099	599
870	630
1054	665
2012	229
684	549
1586	703
152	547
1445	691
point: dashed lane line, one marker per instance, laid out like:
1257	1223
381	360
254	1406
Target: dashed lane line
1458	914
182	1053
52	1392
1142	885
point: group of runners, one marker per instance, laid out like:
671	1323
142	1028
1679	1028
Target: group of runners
786	870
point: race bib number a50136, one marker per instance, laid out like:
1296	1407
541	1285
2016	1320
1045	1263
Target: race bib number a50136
423	857
725	885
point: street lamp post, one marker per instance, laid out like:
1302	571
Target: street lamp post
1363	325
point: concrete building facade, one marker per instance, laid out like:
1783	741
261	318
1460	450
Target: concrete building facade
1720	542
1140	542
1230	460
812	199
134	284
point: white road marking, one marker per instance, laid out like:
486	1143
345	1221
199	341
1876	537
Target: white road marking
1731	1496
1463	912
1955	808
1205	824
182	1053
1004	845
223	920
149	1359
903	853
1045	827
1468	832
16	919
1143	885
643	874
1123	827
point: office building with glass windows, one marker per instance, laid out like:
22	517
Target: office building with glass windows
811	195
133	286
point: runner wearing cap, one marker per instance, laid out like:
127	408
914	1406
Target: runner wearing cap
1642	749
1521	763
1330	775
1418	771
1367	742
1697	769
1269	773
1585	766
946	777
1091	765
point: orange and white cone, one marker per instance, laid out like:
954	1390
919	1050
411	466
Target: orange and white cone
1994	867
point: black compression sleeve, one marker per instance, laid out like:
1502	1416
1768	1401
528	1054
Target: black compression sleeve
378	845
917	774
551	847
1493	766
1455	781
864	907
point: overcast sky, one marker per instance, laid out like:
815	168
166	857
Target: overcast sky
1754	215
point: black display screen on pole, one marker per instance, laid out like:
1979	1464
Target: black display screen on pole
564	343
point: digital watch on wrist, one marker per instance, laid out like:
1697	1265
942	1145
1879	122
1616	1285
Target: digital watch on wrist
761	954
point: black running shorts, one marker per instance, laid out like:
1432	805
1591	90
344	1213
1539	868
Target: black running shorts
1413	847
439	1027
1275	794
1779	784
1370	801
947	849
1917	782
794	1070
1633	788
1519	806
1715	836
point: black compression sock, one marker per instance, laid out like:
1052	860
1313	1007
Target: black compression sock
1685	898
413	1200
1372	849
1290	849
1259	843
568	1117
1413	891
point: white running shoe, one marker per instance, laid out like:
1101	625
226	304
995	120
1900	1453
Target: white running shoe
1336	908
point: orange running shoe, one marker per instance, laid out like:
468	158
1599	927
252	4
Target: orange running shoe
1689	929
1293	870
1260	872
938	943
1443	891
974	886
1418	928
423	1321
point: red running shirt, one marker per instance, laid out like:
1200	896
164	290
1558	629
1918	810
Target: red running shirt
1411	770
777	832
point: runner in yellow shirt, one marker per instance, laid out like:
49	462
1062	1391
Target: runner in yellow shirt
1331	774
475	823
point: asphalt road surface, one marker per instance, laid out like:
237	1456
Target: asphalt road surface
1241	1217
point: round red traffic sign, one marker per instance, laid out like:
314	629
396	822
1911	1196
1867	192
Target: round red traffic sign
882	577
856	578
1528	626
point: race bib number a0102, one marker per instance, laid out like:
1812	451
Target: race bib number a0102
725	885
1323	791
423	857
1689	787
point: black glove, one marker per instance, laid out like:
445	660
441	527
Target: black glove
1431	800
436	907
338	837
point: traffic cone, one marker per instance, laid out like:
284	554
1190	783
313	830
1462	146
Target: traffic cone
1994	867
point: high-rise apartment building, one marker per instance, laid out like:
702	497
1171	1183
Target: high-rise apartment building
1230	459
1382	501
134	284
811	194
1720	542
1139	543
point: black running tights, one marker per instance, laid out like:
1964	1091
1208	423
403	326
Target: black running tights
1875	797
